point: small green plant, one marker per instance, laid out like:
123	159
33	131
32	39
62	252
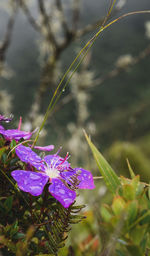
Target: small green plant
126	219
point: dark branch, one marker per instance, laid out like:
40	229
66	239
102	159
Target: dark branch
63	19
30	18
46	23
8	35
76	14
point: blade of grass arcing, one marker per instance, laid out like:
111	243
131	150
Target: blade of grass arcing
111	179
76	61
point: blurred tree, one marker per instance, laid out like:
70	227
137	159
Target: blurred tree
58	24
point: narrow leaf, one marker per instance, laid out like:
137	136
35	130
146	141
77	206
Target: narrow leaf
8	203
111	179
130	170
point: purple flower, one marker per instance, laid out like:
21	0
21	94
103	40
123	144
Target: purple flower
15	134
5	119
1	127
55	170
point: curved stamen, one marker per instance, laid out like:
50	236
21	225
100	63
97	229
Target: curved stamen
66	158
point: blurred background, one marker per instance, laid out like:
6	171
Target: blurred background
108	96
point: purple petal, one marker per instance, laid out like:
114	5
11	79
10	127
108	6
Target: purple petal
5	119
28	156
31	182
15	134
67	175
85	177
1	127
46	148
63	194
57	162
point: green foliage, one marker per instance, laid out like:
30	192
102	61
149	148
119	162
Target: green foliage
127	219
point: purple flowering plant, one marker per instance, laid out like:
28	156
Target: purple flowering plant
37	191
54	170
14	134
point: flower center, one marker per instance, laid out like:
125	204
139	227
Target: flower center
52	172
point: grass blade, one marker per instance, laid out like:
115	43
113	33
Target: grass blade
111	179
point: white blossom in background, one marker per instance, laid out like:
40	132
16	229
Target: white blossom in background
91	128
77	145
56	25
7	5
147	28
29	126
83	79
5	102
45	49
80	83
120	4
102	191
82	100
5	71
124	60
75	139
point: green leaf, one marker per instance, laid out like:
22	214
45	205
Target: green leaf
19	235
120	253
4	158
12	144
144	243
14	229
111	179
149	192
105	212
44	254
128	192
146	219
137	234
2	150
118	205
135	250
130	170
2	208
135	182
132	209
8	203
